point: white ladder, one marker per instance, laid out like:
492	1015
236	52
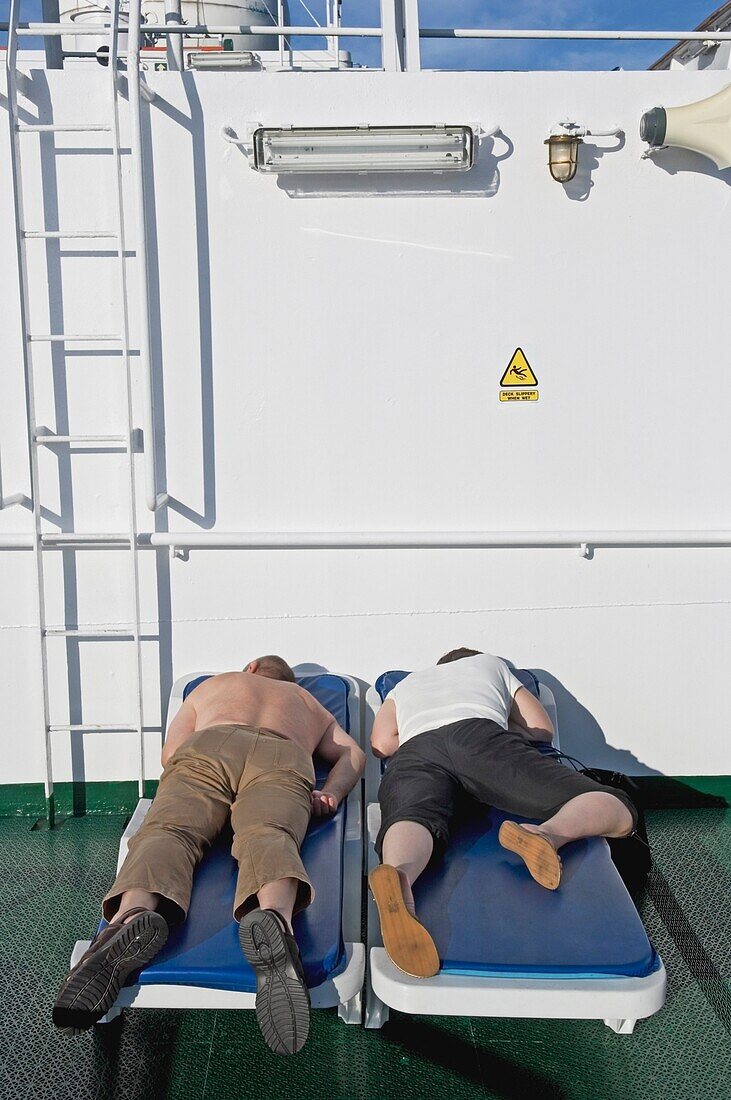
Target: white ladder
39	436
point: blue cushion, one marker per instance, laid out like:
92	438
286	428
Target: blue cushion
387	681
489	918
204	951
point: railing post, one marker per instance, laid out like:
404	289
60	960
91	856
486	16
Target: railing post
54	51
174	43
392	40
412	49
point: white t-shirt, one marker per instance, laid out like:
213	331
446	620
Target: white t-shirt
473	687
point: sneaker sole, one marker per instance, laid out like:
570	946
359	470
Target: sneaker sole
539	856
282	1000
408	944
92	990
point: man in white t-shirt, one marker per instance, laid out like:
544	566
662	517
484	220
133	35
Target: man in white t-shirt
467	724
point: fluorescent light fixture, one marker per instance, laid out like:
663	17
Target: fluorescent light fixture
221	59
364	149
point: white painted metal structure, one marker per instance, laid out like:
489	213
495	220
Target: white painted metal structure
619	1002
344	990
325	362
37	434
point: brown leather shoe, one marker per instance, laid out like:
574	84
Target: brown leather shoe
93	985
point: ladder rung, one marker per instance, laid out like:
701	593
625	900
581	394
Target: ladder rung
91	632
48	439
62	128
91	728
73	234
57	538
63	338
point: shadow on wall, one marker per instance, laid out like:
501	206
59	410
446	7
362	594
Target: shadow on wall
676	160
194	124
482	181
589	156
582	736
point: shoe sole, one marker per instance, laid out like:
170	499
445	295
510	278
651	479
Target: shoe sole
92	990
282	999
408	944
538	854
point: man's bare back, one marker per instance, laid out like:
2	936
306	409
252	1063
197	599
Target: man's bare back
243	698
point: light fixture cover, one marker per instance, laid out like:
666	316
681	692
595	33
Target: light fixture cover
221	59
364	149
563	156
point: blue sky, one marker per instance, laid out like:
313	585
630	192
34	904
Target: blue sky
573	14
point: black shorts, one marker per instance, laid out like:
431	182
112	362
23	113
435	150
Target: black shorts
494	766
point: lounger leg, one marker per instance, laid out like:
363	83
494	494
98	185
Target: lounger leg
621	1027
376	1013
351	1012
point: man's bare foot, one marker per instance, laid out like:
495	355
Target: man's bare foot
408	944
535	849
407	892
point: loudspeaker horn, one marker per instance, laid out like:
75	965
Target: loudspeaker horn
704	127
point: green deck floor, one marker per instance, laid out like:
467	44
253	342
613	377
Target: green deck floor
50	887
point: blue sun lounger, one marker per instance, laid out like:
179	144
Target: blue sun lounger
201	965
508	947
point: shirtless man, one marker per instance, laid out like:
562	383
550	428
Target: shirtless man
240	746
468	724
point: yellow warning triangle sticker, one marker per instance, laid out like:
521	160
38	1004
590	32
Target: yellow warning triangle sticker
518	372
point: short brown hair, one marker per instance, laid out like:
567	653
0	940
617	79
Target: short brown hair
457	655
276	668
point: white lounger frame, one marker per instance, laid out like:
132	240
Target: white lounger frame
619	1002
345	989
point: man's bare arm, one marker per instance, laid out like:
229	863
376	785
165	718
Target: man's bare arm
180	729
528	716
384	735
337	748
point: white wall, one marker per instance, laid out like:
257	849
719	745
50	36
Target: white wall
330	360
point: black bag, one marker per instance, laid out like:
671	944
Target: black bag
630	854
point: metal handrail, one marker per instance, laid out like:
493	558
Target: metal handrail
379	540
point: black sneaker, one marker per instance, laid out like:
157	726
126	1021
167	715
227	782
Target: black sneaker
282	999
93	985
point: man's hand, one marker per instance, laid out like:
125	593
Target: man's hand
323	804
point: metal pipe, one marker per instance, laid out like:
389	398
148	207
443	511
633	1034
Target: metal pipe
173	15
53	29
612	36
378	540
153	499
436	540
